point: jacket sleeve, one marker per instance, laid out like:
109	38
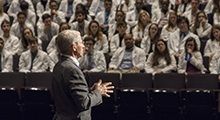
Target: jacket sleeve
78	88
170	67
148	65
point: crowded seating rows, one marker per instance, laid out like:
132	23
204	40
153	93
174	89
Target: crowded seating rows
160	36
142	96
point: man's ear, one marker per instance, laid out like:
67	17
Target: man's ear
73	47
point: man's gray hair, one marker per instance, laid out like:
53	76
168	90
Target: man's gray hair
65	39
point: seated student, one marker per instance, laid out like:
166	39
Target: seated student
190	61
11	43
101	43
214	66
128	58
47	30
34	59
160	60
213	44
118	39
81	24
93	60
6	61
52	48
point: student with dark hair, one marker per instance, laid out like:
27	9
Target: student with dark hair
128	58
92	60
177	40
6	61
52	47
14	8
118	39
95	31
213	44
31	16
47	30
160	60
21	23
34	59
190	60
56	15
148	42
81	24
11	43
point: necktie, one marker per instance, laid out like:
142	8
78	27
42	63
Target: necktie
49	34
33	55
90	63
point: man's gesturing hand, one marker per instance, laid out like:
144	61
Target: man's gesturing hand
104	88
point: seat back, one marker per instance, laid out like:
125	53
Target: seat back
136	81
9	102
39	80
169	80
107	110
166	104
133	104
36	103
202	81
200	104
12	79
93	77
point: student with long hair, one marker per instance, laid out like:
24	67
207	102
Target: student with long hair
101	42
190	61
213	44
149	41
160	60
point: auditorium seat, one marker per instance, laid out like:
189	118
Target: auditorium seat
169	81
133	104
39	80
133	98
200	104
36	103
9	104
107	110
166	104
202	81
12	79
136	81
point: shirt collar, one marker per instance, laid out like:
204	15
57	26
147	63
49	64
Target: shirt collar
73	59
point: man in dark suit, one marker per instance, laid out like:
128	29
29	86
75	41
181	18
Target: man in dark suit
73	99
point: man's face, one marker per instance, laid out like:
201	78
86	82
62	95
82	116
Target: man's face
6	28
33	46
21	19
108	5
78	49
80	17
129	41
47	22
27	33
89	45
183	26
53	6
194	4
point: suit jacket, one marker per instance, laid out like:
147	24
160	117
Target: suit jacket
72	97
